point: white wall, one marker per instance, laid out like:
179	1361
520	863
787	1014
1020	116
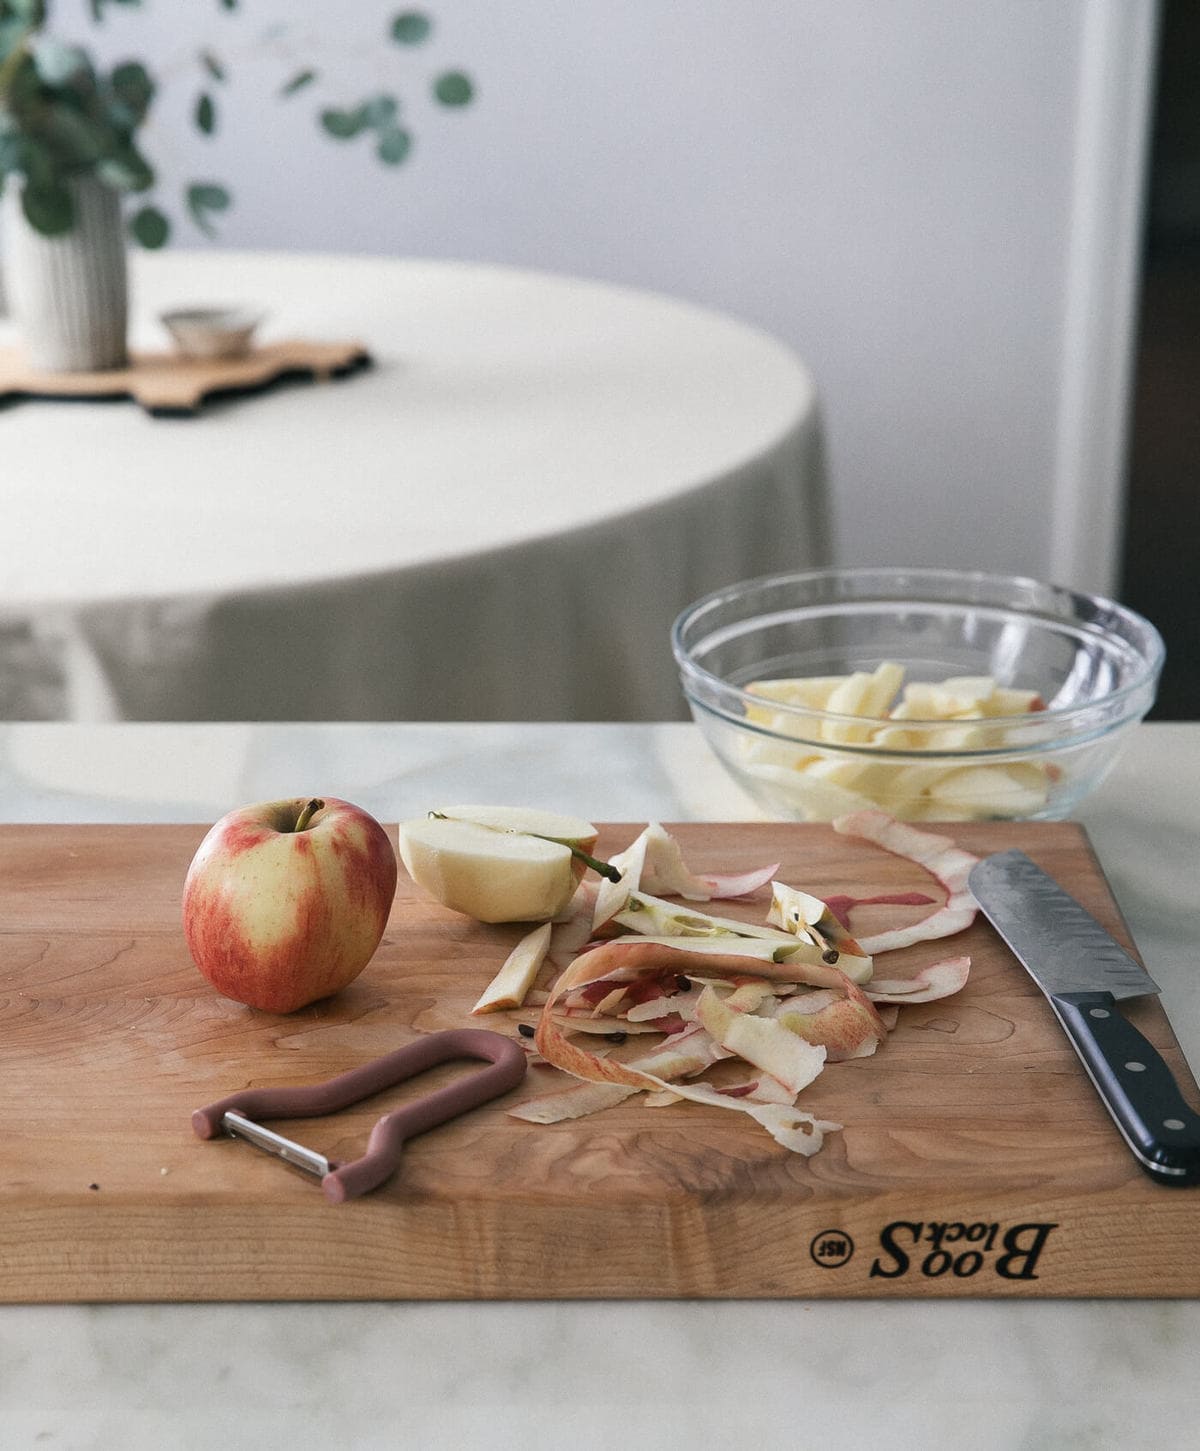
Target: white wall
888	185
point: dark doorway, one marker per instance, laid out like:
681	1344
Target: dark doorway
1161	564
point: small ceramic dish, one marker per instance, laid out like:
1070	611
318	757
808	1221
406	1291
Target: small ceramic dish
212	332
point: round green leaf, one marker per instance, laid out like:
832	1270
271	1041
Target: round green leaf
209	195
411	27
58	63
77	137
39	162
204	197
206	114
125	170
131	84
453	88
22	83
12	32
343	124
394	146
150	227
298	82
379	112
48	209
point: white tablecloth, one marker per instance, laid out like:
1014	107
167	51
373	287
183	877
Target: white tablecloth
498	521
933	1375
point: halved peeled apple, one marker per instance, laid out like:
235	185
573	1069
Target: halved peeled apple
498	863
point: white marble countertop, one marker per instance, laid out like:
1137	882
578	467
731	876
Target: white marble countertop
988	1375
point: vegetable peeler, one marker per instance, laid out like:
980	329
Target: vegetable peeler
340	1182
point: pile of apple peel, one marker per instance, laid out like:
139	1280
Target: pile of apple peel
780	1000
829	770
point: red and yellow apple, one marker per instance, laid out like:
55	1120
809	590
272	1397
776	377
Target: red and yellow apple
285	902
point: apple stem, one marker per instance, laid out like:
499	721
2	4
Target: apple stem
605	869
307	814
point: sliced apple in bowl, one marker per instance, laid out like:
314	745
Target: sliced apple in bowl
498	863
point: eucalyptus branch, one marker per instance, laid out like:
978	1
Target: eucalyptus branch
65	119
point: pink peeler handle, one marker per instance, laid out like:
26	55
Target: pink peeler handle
507	1062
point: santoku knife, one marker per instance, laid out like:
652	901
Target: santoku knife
1085	973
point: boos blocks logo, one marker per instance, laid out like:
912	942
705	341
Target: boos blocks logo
931	1249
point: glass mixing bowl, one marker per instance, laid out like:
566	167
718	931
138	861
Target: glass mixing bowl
938	695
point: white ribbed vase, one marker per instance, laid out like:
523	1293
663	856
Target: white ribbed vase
69	294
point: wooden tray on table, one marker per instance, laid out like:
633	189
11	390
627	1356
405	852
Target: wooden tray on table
170	385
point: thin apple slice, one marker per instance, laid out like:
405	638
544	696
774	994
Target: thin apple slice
572	929
771	753
865	694
518	974
1007	700
818	800
811	691
886	679
613	896
1015	789
940	700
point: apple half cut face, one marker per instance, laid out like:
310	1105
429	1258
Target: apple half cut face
498	863
286	902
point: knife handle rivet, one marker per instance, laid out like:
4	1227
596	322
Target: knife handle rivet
1097	1012
1135	1067
1173	1123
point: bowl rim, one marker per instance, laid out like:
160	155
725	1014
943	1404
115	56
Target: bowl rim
1150	643
234	318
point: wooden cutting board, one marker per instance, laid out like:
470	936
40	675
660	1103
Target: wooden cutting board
975	1158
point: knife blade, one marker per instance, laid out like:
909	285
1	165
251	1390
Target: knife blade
1084	973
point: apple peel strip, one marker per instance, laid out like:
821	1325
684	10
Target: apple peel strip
653	863
938	980
689	1052
948	863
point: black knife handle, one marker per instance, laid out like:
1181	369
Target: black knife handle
1137	1087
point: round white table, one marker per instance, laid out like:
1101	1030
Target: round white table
498	520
